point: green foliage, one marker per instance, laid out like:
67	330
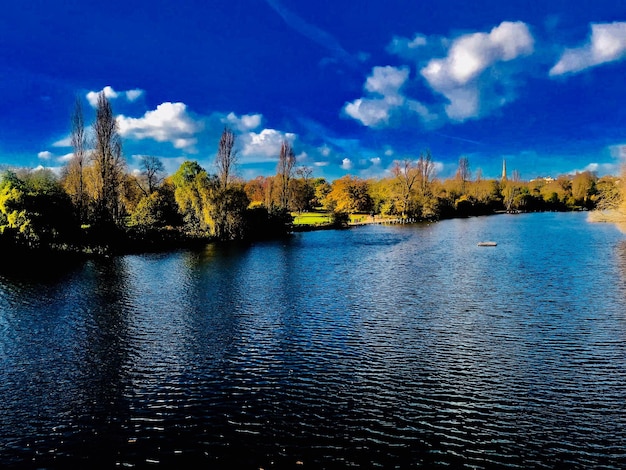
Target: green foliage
194	192
34	210
149	214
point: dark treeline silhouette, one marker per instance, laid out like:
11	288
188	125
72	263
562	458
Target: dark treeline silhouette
97	206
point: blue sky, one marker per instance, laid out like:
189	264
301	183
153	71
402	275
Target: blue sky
353	85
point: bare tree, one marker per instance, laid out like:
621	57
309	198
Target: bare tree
74	175
108	162
463	173
426	170
304	172
286	162
407	174
226	157
152	170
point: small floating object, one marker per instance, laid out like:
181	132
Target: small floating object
487	244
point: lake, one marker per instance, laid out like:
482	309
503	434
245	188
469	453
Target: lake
378	346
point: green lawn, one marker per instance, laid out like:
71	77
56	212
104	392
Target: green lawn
311	218
321	218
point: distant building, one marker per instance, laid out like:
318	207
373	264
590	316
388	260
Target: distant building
503	170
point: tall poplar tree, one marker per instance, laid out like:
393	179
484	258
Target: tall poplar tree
74	173
286	163
108	164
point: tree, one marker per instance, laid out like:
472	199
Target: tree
152	170
463	173
193	193
302	190
226	157
108	164
286	162
350	195
406	174
74	172
228	212
426	170
34	209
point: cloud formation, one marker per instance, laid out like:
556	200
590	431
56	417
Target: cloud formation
45	155
384	98
461	76
111	94
244	123
607	43
474	74
265	144
169	122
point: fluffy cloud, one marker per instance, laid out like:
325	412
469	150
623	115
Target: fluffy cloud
169	122
244	123
606	44
45	155
384	98
346	164
475	73
265	144
111	94
461	77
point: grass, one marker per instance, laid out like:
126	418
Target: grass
311	218
323	218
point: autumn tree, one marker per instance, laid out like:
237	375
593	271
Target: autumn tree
74	172
406	175
302	190
108	164
255	190
583	188
463	173
350	195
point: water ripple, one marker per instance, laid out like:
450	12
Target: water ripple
378	347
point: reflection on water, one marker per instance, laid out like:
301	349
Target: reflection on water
390	346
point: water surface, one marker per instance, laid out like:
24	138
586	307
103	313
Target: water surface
387	346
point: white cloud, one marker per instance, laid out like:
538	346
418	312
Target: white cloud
64	142
265	144
169	122
606	44
244	123
133	95
387	81
461	77
111	94
600	169
371	112
384	98
45	155
347	164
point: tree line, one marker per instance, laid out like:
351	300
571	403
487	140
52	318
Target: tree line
96	204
